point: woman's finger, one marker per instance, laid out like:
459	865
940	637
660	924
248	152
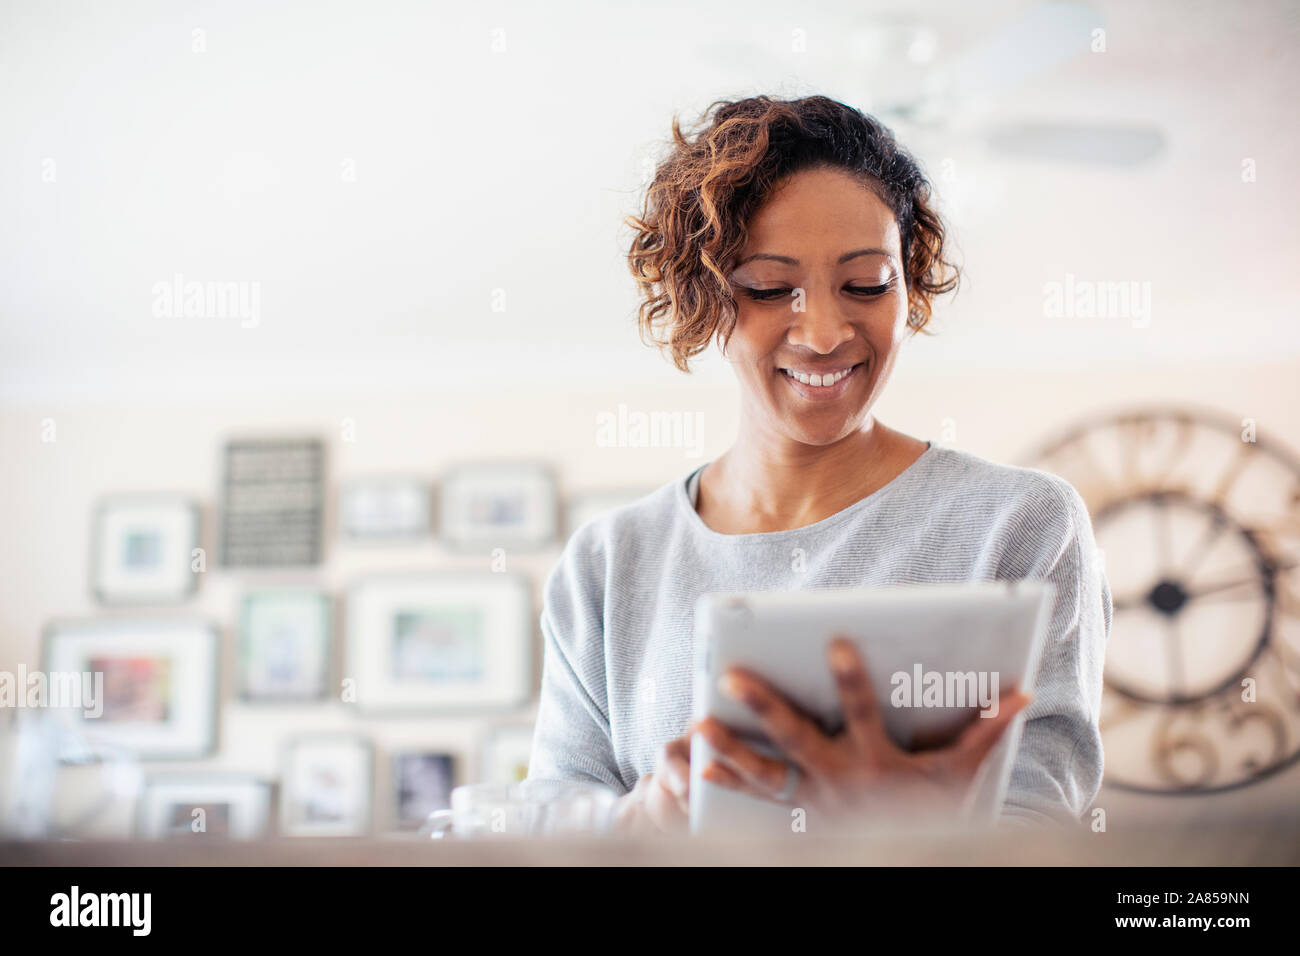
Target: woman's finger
767	774
724	776
791	731
663	807
673	769
862	717
975	742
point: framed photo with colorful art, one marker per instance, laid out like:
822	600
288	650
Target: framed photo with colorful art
152	684
449	641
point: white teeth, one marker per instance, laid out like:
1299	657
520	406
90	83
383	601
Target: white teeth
817	381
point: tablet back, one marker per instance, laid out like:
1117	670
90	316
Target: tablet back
936	654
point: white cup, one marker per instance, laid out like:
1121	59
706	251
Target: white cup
531	808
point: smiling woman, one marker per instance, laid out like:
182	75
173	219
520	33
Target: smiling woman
700	213
800	237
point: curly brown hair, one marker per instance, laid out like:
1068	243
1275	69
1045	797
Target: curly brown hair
693	221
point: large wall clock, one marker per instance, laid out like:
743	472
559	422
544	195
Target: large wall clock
1198	519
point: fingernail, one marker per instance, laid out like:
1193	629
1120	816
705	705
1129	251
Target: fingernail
841	657
732	686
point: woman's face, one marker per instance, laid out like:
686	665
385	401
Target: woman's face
821	306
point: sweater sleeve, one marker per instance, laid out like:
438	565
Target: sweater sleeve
1058	766
572	738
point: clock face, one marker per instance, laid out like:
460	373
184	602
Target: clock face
1198	521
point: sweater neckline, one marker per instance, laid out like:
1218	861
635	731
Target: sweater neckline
908	474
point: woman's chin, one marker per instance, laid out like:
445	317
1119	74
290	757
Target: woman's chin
820	433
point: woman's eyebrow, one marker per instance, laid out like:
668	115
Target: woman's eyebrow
790	261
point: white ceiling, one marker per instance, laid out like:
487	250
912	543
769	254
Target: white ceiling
478	171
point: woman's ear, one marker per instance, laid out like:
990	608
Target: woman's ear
916	320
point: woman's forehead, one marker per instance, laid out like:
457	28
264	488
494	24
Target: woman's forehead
823	211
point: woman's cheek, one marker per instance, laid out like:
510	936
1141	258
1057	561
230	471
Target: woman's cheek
899	328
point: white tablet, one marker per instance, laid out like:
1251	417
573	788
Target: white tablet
937	656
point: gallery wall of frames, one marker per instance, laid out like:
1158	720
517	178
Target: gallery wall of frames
362	630
455	644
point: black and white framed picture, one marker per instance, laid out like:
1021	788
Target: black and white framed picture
498	505
506	752
586	505
273	502
327	786
422	783
199	806
386	510
143	549
149	687
444	641
284	645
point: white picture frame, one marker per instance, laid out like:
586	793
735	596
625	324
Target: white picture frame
156	683
509	505
285	645
506	752
213	806
446	641
142	549
385	509
327	786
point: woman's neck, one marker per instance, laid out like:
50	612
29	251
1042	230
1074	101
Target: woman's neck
762	485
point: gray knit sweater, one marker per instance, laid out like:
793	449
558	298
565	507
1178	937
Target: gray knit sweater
617	618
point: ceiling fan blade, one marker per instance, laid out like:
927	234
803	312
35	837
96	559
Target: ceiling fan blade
1040	40
1079	143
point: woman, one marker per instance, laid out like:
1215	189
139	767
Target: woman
800	237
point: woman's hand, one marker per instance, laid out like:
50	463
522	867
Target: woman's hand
860	766
659	803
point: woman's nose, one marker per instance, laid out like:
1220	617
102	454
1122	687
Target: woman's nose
818	326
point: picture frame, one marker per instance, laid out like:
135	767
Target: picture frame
385	509
273	502
449	641
588	505
422	781
204	806
142	549
285	645
155	683
506	752
512	505
327	786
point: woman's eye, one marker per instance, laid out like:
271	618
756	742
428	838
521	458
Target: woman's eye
768	295
868	290
765	295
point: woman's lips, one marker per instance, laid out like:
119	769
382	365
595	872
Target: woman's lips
823	393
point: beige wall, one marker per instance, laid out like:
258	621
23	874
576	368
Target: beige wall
47	491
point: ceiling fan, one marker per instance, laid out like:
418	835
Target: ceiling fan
916	89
